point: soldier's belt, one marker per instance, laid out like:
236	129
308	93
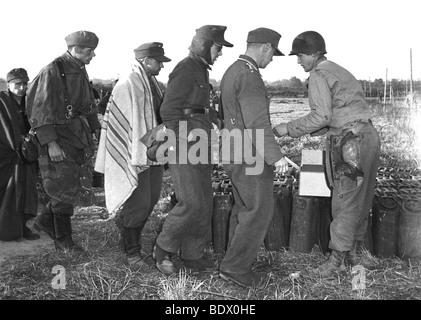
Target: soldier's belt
189	111
354	126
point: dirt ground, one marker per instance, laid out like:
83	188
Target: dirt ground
23	247
11	249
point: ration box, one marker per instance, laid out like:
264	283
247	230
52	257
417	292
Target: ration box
313	181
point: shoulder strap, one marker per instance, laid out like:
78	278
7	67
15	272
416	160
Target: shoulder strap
63	77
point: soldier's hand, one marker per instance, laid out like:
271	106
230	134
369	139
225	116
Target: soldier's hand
55	152
280	130
281	166
98	134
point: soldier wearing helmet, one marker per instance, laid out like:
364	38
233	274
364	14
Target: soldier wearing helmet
339	110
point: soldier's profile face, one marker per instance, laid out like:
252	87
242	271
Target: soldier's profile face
154	66
85	55
267	57
216	51
18	88
306	61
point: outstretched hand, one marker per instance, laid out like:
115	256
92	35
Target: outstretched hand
281	166
280	130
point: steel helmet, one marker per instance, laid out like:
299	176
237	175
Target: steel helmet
308	42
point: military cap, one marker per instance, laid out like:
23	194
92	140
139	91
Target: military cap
265	35
82	38
17	75
151	50
213	33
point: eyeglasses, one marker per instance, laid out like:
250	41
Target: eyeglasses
217	46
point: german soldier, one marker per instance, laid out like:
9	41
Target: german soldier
245	104
18	195
63	115
131	179
187	99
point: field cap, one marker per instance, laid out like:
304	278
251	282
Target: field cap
17	75
265	35
85	39
213	33
151	50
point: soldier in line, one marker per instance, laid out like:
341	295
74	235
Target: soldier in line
63	115
18	192
339	110
131	179
187	99
245	104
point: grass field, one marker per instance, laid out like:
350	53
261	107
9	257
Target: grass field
101	273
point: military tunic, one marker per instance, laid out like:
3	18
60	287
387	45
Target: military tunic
66	114
245	105
188	224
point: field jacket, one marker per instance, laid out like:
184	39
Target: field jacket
188	88
46	106
335	98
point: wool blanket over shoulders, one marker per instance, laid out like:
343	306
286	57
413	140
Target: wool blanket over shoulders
121	155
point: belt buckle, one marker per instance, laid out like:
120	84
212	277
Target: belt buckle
206	111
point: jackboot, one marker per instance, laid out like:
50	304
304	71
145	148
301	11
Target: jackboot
45	222
63	234
27	233
358	256
132	247
329	268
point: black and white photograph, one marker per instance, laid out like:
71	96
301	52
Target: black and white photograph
210	157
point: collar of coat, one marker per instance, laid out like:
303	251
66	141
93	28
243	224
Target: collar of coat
74	62
249	61
199	60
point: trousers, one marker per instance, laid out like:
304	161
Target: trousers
188	224
250	216
352	198
138	207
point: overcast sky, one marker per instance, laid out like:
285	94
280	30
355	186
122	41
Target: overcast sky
365	37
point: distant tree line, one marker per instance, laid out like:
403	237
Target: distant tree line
292	88
295	88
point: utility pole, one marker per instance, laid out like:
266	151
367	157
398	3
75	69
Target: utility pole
385	90
410	83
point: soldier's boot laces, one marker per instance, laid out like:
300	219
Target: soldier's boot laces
329	268
359	256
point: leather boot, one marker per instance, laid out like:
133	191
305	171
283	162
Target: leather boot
163	260
358	256
131	241
45	222
27	233
329	268
63	234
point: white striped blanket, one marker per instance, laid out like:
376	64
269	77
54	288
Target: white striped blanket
121	155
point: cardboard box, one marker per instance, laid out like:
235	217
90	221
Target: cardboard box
313	181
